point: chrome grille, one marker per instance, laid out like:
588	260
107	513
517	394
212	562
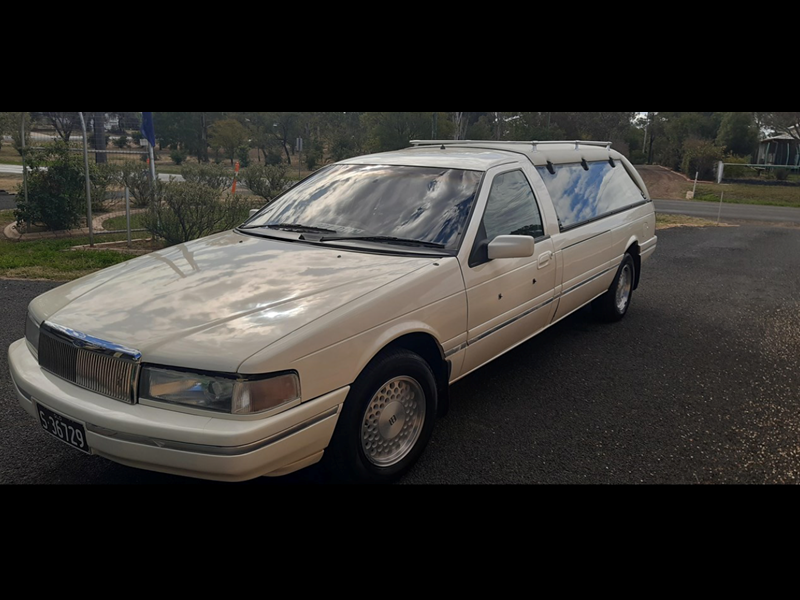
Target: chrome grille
90	363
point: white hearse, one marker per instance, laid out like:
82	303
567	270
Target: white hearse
331	324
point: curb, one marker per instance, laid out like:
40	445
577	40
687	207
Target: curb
11	232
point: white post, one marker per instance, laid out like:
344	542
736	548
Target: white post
88	180
720	171
721	198
694	191
24	165
152	162
128	213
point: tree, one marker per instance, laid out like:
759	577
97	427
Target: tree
186	130
229	135
9	123
285	127
738	133
99	140
64	123
394	130
460	122
784	122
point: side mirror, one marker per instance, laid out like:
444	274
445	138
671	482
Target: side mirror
511	246
254	212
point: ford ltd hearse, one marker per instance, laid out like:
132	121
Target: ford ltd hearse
330	325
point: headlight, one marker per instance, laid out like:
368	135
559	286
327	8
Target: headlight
221	393
32	333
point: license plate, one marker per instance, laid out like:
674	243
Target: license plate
68	431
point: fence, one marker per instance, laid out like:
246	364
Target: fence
104	139
759	174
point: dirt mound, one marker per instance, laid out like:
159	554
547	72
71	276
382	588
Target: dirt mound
664	184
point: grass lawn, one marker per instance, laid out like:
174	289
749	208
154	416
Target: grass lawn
9	156
741	193
10	182
120	223
50	259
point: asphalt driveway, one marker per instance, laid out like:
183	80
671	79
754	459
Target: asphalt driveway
698	385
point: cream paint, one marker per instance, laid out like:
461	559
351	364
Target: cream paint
249	305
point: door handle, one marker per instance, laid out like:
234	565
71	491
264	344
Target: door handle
544	259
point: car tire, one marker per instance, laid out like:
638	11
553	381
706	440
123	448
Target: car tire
615	303
386	421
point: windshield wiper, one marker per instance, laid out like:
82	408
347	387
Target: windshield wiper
384	239
292	227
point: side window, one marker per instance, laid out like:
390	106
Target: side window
580	196
512	208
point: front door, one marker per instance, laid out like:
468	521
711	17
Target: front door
509	300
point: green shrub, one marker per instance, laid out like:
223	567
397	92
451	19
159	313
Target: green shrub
700	156
137	138
213	176
732	171
56	189
266	181
135	175
178	156
243	156
102	178
638	157
311	161
193	210
273	157
121	142
781	174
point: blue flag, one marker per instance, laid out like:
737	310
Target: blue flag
148	130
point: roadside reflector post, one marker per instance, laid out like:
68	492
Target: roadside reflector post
128	213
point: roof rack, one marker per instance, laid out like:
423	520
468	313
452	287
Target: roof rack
533	143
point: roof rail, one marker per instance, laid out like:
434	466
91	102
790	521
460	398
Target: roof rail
533	143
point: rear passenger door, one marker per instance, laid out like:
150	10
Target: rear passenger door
509	299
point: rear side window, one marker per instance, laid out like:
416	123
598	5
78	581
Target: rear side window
512	208
581	196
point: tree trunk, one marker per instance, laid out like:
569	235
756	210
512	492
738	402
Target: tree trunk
100	137
202	155
288	155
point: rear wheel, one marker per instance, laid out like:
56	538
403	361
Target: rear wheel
614	304
386	421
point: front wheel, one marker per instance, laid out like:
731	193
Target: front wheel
614	304
386	421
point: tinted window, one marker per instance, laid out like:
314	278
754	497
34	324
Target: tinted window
419	203
580	195
512	209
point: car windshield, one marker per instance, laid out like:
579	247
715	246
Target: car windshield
430	205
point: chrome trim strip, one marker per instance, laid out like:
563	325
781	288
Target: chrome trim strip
456	350
575	287
211	450
91	343
486	334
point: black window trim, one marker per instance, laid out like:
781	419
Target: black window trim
599	217
481	238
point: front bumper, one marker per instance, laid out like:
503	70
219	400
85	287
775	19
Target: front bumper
167	441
